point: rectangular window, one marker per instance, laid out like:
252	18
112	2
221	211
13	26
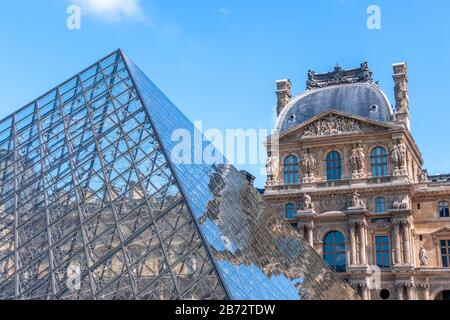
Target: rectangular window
443	209
383	252
445	253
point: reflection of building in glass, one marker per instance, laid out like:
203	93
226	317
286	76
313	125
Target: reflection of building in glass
92	206
349	168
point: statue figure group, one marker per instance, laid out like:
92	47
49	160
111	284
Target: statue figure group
307	203
357	159
332	125
398	155
357	202
309	165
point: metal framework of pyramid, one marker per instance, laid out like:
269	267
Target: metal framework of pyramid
93	207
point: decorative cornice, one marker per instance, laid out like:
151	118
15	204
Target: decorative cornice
340	76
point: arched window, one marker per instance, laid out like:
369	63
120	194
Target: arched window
289	211
379	162
380	205
291	170
334	251
334	169
443	209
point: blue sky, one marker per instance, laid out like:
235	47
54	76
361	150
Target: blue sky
218	60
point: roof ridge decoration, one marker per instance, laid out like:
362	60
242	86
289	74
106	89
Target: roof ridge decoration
363	74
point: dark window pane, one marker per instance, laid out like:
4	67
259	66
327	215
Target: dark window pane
334	170
291	168
334	251
379	162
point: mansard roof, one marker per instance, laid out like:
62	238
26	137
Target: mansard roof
352	91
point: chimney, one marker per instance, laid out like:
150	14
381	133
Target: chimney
283	94
401	93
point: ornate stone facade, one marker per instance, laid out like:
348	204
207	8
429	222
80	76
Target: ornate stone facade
332	125
360	179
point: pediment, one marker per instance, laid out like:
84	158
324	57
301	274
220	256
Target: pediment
438	232
336	123
442	232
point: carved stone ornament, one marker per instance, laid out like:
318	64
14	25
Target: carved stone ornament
307	204
358	158
272	169
309	165
398	156
339	76
333	202
357	202
423	257
332	125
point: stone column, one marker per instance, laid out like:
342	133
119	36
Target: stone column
410	289
426	292
310	234
400	293
362	243
406	244
352	245
396	237
425	288
365	292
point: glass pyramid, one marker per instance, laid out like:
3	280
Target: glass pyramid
93	207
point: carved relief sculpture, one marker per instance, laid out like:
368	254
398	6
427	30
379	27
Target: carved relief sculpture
332	125
309	165
358	158
333	202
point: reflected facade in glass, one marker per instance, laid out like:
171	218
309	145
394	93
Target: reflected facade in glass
93	205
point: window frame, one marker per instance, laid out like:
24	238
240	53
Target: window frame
379	162
445	243
290	206
291	169
383	204
336	250
383	249
446	209
334	166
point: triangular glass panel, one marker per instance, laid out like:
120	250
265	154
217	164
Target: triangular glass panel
92	205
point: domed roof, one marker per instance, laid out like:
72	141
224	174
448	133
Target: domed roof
365	100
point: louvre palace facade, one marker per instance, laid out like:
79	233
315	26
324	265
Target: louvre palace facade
93	206
345	171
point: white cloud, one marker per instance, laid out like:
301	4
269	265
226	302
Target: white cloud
113	10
